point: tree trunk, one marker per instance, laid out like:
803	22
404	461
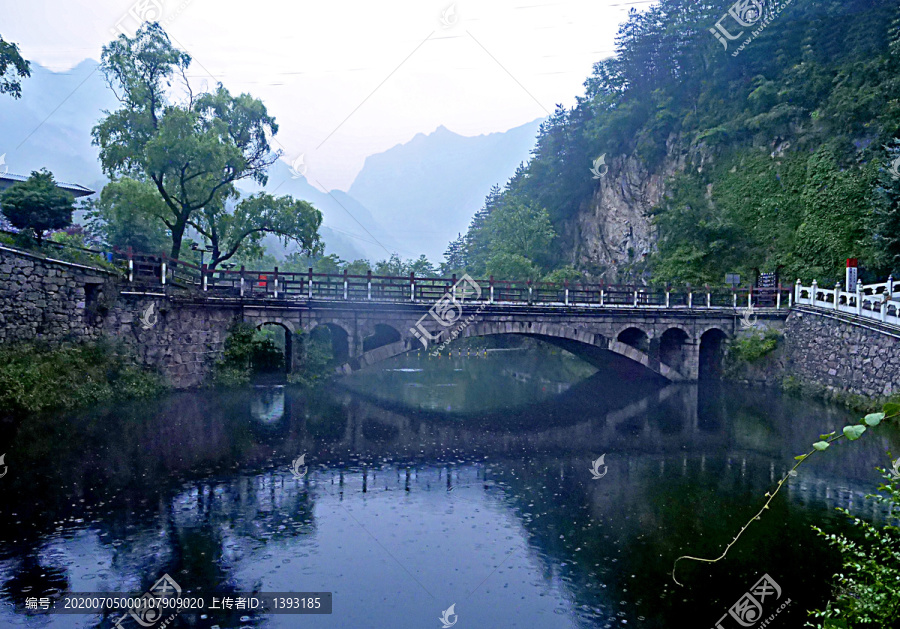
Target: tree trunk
177	236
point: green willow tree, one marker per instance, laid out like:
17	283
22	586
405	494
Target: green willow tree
129	213
193	151
289	219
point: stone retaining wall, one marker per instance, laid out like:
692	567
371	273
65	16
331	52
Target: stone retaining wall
843	353
54	301
43	299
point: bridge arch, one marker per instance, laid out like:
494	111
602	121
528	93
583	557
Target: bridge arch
673	348
287	326
382	334
635	337
712	353
339	336
584	343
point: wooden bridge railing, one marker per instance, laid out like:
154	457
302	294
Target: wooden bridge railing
292	285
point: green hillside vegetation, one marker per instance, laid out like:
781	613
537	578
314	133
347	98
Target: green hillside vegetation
786	146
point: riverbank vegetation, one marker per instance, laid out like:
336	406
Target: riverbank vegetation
867	590
35	377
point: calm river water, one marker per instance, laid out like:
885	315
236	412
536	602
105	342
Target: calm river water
464	481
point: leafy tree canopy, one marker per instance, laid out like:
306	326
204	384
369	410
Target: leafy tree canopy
129	213
36	204
12	68
771	159
194	150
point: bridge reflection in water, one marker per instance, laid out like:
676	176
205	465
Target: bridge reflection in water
404	507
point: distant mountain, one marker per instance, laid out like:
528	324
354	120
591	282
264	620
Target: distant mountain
50	126
411	199
425	191
349	230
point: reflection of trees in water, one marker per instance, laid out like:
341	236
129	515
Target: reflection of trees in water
615	540
267	404
470	384
664	494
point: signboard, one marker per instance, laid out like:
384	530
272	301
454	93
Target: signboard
767	280
852	273
733	279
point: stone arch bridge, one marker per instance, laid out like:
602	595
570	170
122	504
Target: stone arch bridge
675	343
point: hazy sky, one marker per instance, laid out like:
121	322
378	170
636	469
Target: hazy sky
346	79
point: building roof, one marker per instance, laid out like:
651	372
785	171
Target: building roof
8	179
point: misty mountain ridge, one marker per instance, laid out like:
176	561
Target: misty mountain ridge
426	191
411	199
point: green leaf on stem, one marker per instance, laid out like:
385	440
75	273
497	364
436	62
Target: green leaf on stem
821	445
873	419
891	409
854	432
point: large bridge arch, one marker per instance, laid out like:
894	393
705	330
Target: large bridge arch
586	344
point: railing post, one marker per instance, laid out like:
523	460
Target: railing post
883	308
635	298
890	286
797	291
130	269
346	286
814	293
837	295
601	296
733	297
858	297
412	286
778	298
492	288
668	292
276	282
690	296
203	276
162	275
750	297
566	285
369	284
790	299
242	280
454	287
708	300
309	288
529	292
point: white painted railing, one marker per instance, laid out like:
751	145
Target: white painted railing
880	302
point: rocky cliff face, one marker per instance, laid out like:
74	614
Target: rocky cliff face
612	235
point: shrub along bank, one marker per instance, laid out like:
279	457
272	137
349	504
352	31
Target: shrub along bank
36	377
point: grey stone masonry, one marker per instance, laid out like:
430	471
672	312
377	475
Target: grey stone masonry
50	300
42	299
843	352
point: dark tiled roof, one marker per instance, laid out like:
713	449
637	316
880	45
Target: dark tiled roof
8	179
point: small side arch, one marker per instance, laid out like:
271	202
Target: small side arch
712	353
287	327
636	338
340	340
673	348
382	335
